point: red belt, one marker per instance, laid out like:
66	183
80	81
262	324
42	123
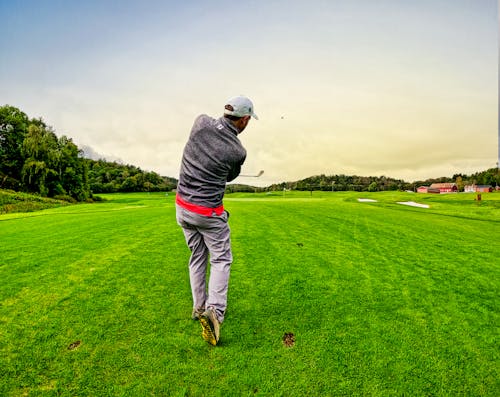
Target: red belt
199	209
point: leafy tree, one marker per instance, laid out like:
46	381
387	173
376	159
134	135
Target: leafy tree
373	187
13	128
72	171
40	152
52	166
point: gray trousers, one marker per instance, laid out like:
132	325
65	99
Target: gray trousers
208	237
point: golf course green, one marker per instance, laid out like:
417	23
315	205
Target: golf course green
331	294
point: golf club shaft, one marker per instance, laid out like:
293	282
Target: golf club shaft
252	176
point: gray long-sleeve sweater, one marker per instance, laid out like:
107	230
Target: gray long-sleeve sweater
212	156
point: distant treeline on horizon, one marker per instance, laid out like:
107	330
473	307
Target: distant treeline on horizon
383	183
34	160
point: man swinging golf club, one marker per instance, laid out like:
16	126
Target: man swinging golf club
212	156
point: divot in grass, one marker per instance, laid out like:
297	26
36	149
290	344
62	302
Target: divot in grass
74	345
288	339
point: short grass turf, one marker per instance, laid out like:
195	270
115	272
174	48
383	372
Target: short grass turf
382	299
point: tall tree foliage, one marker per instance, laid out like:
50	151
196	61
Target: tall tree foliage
35	160
13	128
489	177
39	150
72	170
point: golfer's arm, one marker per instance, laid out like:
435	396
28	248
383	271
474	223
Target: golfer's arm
234	172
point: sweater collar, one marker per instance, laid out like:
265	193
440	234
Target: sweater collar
226	123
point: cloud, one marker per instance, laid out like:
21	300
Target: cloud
91	154
363	89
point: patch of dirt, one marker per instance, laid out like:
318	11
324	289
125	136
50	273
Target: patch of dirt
289	339
74	345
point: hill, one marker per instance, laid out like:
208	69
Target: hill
11	201
383	183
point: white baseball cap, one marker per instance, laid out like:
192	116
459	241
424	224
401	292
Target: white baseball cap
240	106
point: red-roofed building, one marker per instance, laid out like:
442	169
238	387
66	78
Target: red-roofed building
428	189
445	187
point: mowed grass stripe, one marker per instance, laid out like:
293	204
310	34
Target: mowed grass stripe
384	269
89	281
383	300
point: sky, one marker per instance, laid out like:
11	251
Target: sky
402	88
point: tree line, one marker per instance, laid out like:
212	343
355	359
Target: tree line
34	159
382	183
112	177
489	177
343	183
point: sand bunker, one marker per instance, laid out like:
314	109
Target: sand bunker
413	204
361	200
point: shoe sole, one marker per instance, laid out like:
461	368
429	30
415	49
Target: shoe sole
208	332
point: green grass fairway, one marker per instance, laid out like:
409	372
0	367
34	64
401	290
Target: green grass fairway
383	299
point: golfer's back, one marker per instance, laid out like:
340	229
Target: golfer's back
212	156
